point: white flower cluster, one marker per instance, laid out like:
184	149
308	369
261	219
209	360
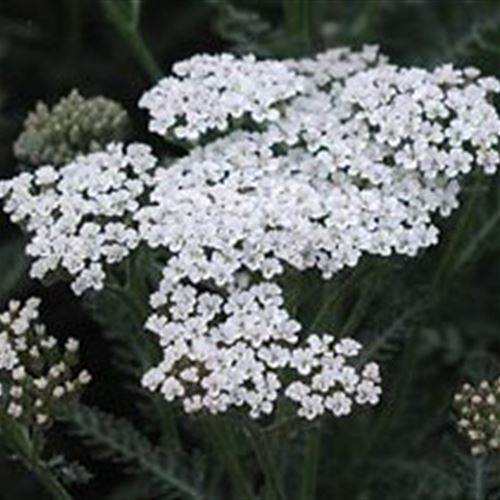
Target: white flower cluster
328	382
79	217
221	353
208	91
352	156
35	374
389	120
357	163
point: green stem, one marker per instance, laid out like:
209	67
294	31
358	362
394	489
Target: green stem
144	57
366	18
393	404
478	239
51	483
17	438
446	265
128	299
147	354
378	343
299	18
226	448
311	465
128	29
312	450
479	486
357	313
264	454
74	23
342	290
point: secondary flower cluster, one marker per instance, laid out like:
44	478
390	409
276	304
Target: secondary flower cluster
73	126
80	216
321	161
478	416
221	353
35	374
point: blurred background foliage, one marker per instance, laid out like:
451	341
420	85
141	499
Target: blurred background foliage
434	321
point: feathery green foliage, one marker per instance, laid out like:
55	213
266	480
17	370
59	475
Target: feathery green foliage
116	439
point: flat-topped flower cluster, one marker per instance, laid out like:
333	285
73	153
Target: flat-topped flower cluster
79	217
304	164
221	352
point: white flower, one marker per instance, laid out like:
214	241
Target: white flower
368	392
58	392
8	356
41	383
16	391
172	388
84	377
19	373
15	410
339	404
348	347
41	418
153	378
72	345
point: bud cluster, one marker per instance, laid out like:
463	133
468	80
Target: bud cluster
35	373
478	416
73	126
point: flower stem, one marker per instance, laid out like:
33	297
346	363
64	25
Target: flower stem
51	483
226	448
394	400
300	20
312	446
447	264
265	456
332	298
127	27
132	295
17	438
479	486
311	464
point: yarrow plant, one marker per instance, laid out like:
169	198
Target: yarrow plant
305	165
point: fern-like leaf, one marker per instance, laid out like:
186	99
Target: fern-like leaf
389	340
116	439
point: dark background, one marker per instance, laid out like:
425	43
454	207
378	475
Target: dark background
48	47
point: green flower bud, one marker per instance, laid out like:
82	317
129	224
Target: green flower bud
73	126
482	408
